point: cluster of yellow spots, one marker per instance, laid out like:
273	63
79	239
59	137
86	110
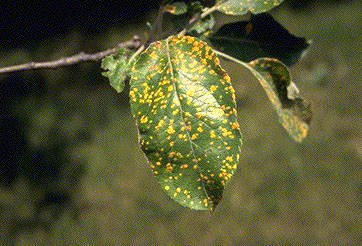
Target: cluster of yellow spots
224	175
226	132
213	88
171	130
235	125
143	119
184	166
153	55
194	136
212	134
175	112
182	136
185	195
193	127
169	167
190	92
206	202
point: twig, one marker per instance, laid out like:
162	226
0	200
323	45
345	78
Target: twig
134	43
226	56
155	33
193	21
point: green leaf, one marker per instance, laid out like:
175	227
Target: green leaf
260	37
176	8
202	27
240	7
185	109
118	68
293	114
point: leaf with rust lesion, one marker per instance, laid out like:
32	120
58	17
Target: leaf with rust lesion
185	110
294	114
240	7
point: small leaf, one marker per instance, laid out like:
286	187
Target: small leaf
202	27
260	37
185	109
240	7
284	95
176	8
118	68
174	24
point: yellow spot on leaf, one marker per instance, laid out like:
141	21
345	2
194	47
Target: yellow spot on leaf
184	166
213	88
170	130
143	119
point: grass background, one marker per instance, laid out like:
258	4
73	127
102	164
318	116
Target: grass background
72	172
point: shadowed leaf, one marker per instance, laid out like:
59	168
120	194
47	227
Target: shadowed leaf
240	7
118	68
284	95
185	110
260	37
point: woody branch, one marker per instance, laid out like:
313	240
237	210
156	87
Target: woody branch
134	43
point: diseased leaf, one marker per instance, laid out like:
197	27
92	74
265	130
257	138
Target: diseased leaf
176	8
284	95
174	24
185	109
240	7
118	68
260	37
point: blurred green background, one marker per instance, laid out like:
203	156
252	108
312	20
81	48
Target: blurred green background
72	173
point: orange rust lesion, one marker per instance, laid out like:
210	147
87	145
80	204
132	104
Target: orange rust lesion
184	166
169	167
235	125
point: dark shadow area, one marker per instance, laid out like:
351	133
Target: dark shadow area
46	175
28	23
300	4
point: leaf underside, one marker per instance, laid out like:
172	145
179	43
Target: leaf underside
185	109
240	7
293	114
261	36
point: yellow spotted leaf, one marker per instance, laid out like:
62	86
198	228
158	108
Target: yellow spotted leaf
240	7
293	114
184	106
